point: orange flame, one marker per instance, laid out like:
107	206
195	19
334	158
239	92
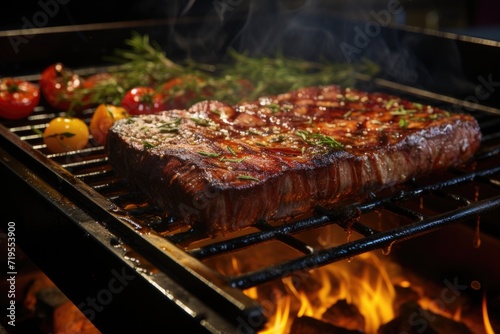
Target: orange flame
486	319
430	304
362	282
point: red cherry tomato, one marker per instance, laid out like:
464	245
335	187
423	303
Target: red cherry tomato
143	100
18	98
59	86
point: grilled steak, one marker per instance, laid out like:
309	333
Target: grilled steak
224	167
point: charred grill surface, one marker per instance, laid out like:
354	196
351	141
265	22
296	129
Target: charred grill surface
226	167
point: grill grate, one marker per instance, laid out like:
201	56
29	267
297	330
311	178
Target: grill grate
91	166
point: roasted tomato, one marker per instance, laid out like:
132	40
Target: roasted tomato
64	134
143	100
102	119
59	86
182	92
18	98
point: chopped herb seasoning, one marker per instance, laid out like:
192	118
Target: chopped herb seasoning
170	127
277	139
390	103
254	132
169	130
148	145
247	177
403	123
302	134
231	150
318	139
216	111
327	141
418	105
402	111
274	107
201	121
209	154
347	114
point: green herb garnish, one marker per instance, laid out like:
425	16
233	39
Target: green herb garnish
318	139
201	121
231	150
148	145
403	123
247	177
170	127
390	103
275	108
255	132
277	139
209	154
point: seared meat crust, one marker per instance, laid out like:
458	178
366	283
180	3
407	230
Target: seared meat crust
224	167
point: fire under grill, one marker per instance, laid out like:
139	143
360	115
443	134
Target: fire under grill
85	176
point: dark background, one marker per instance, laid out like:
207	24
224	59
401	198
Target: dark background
473	17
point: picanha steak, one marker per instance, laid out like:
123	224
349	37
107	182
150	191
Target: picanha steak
224	167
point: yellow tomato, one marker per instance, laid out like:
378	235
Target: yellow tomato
64	134
104	116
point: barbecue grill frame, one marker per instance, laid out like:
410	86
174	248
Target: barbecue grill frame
96	224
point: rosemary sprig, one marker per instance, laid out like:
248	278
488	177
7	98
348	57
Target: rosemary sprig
144	63
284	74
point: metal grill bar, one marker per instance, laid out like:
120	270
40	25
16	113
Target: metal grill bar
344	217
379	240
404	194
